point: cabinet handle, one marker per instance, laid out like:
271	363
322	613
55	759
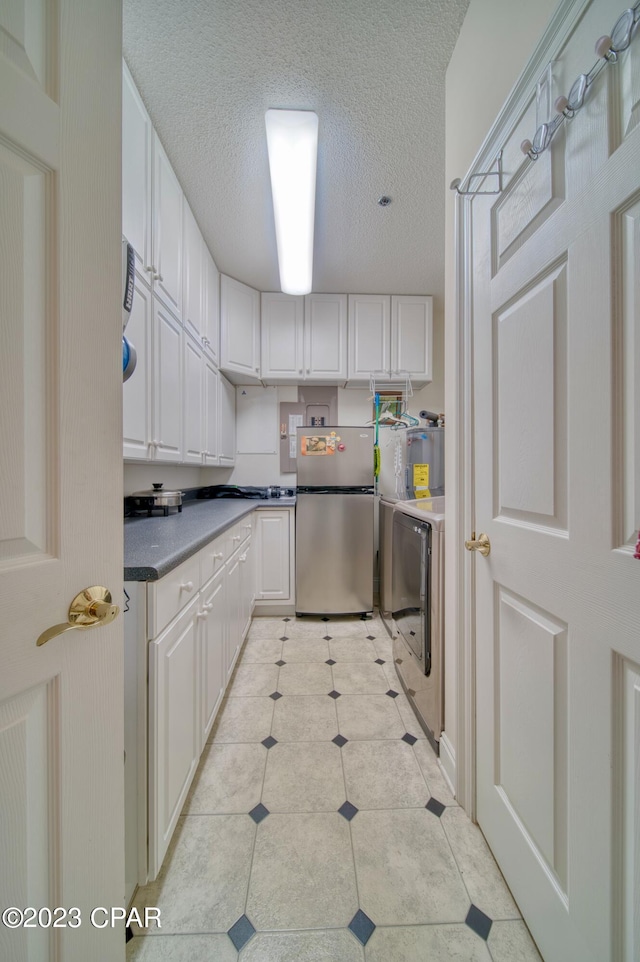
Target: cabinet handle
155	444
247	527
243	558
202	615
186	586
236	537
218	556
300	371
207	606
257	370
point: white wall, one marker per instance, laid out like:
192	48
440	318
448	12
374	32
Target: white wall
497	39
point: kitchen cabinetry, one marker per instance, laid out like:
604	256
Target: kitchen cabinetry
325	337
167	342
412	336
137	137
227	423
197	618
274	557
390	335
174	726
210	454
211	293
167	231
282	337
304	338
192	274
369	335
239	331
194	393
137	391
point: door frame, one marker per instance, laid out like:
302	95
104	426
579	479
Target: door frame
559	28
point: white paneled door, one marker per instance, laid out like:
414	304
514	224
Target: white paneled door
61	704
556	332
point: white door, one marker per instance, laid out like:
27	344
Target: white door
239	328
556	329
168	391
282	333
369	335
412	336
325	334
194	385
61	704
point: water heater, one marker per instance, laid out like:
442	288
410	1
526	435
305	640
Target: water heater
424	465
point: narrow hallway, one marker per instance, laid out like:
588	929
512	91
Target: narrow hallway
319	826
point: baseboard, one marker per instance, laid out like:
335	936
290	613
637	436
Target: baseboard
272	609
448	762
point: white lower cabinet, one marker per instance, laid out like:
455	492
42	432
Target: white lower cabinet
274	557
213	630
197	618
174	729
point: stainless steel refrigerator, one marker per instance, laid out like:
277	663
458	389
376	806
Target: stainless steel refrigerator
334	520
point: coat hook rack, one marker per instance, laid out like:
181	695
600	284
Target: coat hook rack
469	190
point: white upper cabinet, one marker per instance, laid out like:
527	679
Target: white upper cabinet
325	337
369	335
227	423
412	336
168	397
194	382
167	231
239	331
192	275
137	391
137	136
282	324
211	309
211	412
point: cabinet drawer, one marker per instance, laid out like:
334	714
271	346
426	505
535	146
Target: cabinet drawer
212	557
165	598
237	534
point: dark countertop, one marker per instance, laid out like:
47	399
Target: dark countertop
154	546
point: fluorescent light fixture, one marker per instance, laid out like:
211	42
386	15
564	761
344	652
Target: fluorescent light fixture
292	142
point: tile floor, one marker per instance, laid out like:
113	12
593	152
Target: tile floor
319	827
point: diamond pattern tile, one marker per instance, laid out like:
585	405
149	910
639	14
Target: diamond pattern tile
380	661
275	695
284	638
329	661
339	740
334	694
259	812
409	739
326	637
269	741
348	811
398	661
325	619
362	927
411	692
371	637
280	663
478	922
286	619
391	693
240	932
433	805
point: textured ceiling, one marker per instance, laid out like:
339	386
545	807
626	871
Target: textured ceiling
373	70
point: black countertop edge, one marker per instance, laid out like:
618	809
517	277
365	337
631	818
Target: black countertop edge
155	546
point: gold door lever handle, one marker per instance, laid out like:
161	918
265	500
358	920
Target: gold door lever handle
481	544
91	608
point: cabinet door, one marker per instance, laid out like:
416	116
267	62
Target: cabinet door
192	280
213	629
325	337
167	385
167	231
234	617
369	335
282	326
174	728
247	588
412	336
193	381
239	329
272	555
227	430
137	135
211	412
211	318
137	391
